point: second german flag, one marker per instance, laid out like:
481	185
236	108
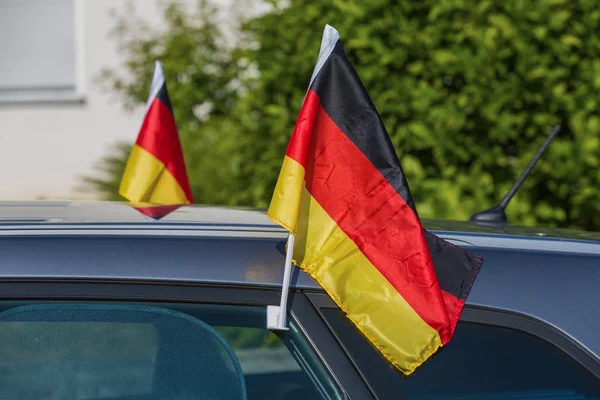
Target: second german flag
155	171
342	193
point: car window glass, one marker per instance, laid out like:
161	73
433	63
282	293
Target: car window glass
34	364
271	371
480	362
96	351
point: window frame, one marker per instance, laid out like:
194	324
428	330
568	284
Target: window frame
534	327
53	96
306	317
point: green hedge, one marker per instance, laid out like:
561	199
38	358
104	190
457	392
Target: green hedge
468	91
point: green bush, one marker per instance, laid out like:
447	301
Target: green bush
468	91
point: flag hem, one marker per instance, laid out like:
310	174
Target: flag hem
283	224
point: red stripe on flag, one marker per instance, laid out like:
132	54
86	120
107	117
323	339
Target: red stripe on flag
159	137
369	210
454	306
300	143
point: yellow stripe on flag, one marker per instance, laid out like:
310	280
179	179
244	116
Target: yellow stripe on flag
327	254
146	179
285	203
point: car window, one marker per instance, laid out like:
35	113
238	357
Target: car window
270	369
92	351
480	362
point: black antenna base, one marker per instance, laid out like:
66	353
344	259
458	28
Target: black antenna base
492	216
496	215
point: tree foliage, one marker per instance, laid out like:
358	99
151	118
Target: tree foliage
468	91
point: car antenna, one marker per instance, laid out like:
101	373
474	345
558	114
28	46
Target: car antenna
497	215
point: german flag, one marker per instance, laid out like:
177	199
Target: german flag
155	171
342	193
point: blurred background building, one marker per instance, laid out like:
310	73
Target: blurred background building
55	121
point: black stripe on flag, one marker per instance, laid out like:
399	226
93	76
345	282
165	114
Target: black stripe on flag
163	96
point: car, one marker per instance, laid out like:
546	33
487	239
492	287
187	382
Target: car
99	301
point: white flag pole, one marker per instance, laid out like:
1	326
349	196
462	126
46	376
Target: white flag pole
276	315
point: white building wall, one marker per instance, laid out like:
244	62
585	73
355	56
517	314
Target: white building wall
45	147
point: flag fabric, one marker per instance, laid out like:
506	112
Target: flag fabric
155	171
342	192
153	212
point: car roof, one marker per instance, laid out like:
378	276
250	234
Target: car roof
549	274
107	212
